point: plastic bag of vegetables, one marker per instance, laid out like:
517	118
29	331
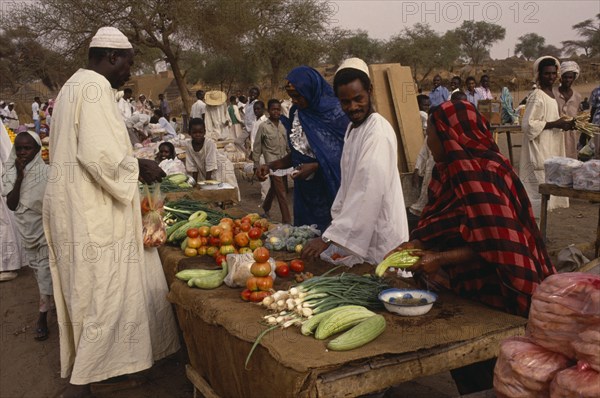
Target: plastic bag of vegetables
154	228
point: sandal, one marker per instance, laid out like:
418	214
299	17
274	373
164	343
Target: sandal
41	334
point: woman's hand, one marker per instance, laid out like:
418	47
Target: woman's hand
262	172
20	164
413	244
314	248
430	262
305	170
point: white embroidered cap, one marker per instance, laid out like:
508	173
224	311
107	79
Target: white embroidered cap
354	63
109	37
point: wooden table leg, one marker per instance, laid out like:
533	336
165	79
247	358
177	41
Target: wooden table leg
544	215
509	144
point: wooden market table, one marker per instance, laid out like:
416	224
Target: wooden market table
549	189
219	330
206	195
506	129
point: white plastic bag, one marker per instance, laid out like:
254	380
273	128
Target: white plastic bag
559	170
339	256
239	269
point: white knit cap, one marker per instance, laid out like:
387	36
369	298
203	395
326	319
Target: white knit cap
537	62
109	37
354	63
569	66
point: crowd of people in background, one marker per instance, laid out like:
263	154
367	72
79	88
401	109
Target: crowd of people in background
474	222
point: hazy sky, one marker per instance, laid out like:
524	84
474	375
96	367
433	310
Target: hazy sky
551	19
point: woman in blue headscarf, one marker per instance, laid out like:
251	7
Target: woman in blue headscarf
316	129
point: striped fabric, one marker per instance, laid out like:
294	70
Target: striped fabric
476	199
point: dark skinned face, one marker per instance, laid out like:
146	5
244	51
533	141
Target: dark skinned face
355	101
25	147
164	152
258	111
297	99
485	82
437	81
567	79
548	76
424	105
120	68
471	85
198	132
274	111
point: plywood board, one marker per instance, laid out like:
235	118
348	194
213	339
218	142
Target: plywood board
404	95
384	105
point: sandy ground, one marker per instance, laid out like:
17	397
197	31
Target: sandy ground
32	369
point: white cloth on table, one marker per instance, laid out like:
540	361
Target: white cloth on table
369	215
540	144
110	291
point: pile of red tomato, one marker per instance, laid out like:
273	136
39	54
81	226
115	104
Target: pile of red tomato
260	284
229	236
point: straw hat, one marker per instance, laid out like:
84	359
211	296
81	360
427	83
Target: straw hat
215	98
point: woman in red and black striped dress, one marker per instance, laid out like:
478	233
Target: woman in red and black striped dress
478	225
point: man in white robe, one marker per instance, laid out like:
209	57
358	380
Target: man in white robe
110	291
369	215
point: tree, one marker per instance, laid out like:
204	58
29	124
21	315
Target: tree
27	60
476	38
589	30
287	33
346	44
551	50
421	48
164	25
530	46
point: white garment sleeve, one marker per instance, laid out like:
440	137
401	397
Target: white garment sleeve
211	155
534	119
190	161
355	215
100	149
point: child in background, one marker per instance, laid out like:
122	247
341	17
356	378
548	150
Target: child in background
423	167
202	159
167	159
24	184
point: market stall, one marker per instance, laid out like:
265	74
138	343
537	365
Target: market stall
219	330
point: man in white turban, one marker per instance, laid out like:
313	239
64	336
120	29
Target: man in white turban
568	103
110	291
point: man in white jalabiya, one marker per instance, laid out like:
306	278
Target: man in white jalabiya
216	118
543	134
110	291
370	188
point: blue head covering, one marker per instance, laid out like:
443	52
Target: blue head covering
323	122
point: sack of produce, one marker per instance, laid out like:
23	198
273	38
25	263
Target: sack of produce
576	382
559	170
587	348
562	307
239	269
525	369
154	228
